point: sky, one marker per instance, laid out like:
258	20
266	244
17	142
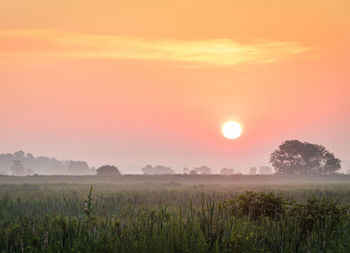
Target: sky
132	83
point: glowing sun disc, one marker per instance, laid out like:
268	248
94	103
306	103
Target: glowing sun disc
231	130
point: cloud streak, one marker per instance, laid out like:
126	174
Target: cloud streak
53	44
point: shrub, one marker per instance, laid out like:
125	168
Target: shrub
319	213
258	204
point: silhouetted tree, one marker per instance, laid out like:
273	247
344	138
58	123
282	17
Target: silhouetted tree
265	170
203	170
226	171
193	172
295	157
30	156
19	155
157	170
78	168
185	171
17	168
39	165
252	171
6	161
148	170
108	170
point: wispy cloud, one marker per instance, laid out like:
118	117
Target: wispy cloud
39	43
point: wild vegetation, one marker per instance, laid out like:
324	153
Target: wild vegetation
21	164
174	217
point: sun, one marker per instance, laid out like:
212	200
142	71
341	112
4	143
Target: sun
231	129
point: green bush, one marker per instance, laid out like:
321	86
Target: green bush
320	213
255	205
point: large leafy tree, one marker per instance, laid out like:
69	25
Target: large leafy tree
296	157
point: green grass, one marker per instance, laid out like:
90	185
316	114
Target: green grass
173	215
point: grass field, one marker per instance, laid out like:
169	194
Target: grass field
175	214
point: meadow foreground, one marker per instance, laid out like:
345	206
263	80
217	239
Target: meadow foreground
174	214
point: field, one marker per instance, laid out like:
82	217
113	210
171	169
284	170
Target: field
175	214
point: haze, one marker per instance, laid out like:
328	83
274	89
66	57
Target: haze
132	83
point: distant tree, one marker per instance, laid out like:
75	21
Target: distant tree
295	157
163	170
226	171
148	170
30	156
6	161
19	155
157	170
185	171
29	172
93	171
78	168
108	170
43	165
193	172
252	171
17	168
265	170
203	170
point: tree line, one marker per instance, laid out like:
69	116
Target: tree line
292	157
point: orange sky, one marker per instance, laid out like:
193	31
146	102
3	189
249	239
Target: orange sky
138	82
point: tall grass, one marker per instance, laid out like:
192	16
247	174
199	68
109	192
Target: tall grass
71	218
